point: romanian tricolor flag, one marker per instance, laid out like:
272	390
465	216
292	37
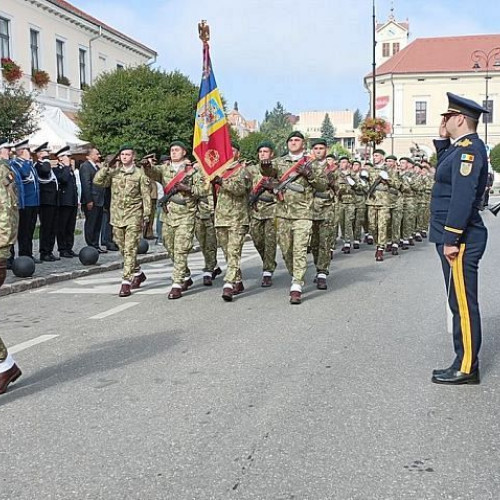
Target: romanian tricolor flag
212	143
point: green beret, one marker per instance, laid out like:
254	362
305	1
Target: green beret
391	157
380	151
368	164
317	142
295	133
409	160
266	144
235	145
356	161
180	144
344	158
330	156
126	147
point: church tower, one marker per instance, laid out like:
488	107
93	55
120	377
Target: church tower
391	37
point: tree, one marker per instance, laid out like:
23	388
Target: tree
338	150
277	127
495	158
249	145
141	106
328	130
357	119
18	113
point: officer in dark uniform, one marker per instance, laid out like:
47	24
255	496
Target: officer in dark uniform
68	203
458	230
48	202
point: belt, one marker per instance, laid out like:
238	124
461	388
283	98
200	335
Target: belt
178	200
321	195
266	199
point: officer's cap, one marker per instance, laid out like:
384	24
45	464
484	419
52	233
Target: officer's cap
126	147
4	143
42	147
318	142
266	144
21	145
63	152
181	144
379	151
463	106
295	133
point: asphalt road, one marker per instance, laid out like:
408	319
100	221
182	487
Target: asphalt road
257	399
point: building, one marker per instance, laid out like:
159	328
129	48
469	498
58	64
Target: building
238	123
392	36
70	45
309	123
411	87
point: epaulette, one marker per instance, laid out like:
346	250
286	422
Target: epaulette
464	143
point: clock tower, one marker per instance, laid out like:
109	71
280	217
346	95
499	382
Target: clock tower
391	37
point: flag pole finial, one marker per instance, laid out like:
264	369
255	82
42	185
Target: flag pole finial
204	31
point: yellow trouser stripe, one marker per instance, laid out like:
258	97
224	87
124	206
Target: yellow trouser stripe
463	310
453	230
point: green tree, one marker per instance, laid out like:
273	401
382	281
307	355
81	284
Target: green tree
338	150
277	127
249	145
145	107
495	158
357	118
18	113
328	130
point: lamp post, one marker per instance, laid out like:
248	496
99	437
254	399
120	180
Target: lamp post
374	64
486	58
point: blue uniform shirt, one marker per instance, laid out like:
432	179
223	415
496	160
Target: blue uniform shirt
461	176
30	183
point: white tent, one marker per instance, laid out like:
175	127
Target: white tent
58	130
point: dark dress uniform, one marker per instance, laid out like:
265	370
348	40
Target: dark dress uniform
460	181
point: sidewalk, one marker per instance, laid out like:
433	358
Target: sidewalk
67	269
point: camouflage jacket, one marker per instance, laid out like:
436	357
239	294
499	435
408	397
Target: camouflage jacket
181	209
297	201
408	186
9	209
361	188
265	208
345	192
232	199
383	193
324	201
130	198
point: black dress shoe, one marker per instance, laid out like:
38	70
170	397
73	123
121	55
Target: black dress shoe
439	371
47	258
455	377
72	253
52	256
101	250
66	254
112	247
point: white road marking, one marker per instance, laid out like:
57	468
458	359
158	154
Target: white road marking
114	310
30	343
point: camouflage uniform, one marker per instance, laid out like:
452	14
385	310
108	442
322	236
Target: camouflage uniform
322	232
263	225
178	216
153	193
347	206
408	180
130	203
397	212
204	231
9	220
361	188
232	220
294	215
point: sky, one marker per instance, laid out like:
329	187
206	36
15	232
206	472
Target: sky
309	55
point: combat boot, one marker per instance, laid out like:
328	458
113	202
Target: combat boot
418	237
388	247
207	280
175	293
187	283
405	245
369	239
411	242
355	245
424	234
9	376
238	288
125	290
321	284
379	255
216	272
394	249
346	248
3	271
227	292
267	281
295	297
137	280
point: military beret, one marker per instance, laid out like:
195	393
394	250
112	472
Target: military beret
409	160
266	144
295	133
126	147
318	142
42	147
463	106
356	161
368	164
330	156
64	151
4	143
178	143
344	158
391	157
235	145
379	151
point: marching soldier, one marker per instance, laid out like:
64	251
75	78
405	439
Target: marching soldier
48	203
333	171
322	216
297	181
368	167
232	221
263	216
361	175
150	160
9	219
397	202
427	193
408	194
130	207
346	195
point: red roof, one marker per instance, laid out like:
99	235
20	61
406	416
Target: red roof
439	55
74	10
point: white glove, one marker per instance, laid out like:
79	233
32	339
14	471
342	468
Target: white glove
384	175
350	181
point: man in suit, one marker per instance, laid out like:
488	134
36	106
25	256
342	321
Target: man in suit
92	199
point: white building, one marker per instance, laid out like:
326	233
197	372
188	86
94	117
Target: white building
70	45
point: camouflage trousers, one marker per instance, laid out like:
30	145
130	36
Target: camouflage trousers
204	231
149	233
178	241
335	224
231	240
3	351
396	218
359	222
347	212
293	239
321	244
379	223
409	221
263	233
422	220
127	238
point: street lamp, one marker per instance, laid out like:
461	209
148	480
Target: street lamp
486	58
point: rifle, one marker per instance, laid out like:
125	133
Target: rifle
373	187
171	188
293	175
258	191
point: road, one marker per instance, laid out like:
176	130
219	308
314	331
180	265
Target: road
145	398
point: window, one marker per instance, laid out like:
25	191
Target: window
4	37
60	59
395	48
82	61
386	50
421	113
488	117
34	43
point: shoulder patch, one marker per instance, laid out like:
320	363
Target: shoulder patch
464	143
465	168
466	157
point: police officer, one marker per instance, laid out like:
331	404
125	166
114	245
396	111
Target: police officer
458	230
